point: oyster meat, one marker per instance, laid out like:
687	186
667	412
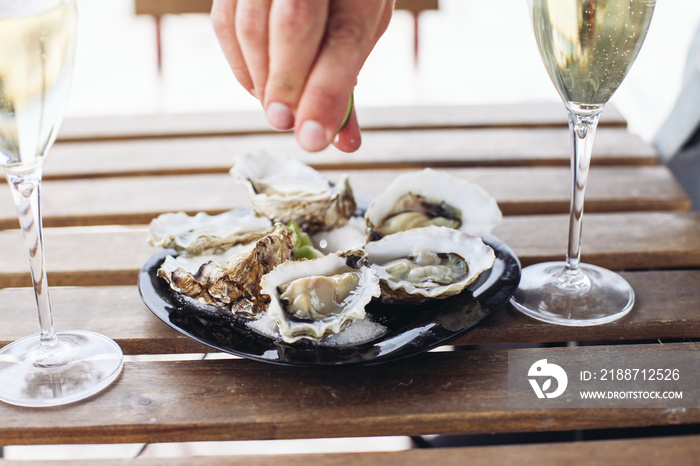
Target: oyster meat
234	286
431	197
427	263
206	234
318	297
286	190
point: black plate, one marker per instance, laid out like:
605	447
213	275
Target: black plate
411	329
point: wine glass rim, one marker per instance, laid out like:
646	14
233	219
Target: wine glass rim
18	9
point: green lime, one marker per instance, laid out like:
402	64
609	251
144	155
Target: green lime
348	112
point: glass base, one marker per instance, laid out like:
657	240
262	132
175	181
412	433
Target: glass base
590	295
80	365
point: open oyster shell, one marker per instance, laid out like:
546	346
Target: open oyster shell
427	263
431	197
206	234
313	298
236	285
286	190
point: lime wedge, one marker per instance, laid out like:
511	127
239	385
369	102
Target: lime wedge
304	247
348	112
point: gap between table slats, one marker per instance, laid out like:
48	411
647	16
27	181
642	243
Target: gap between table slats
684	450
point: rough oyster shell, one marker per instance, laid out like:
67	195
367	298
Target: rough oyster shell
206	234
236	285
315	321
447	243
445	199
286	190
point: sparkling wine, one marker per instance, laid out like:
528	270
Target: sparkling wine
588	46
36	61
36	58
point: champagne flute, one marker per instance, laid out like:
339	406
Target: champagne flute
37	47
587	47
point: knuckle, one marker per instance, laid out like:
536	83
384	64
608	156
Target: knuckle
250	24
323	98
345	29
282	86
222	19
298	15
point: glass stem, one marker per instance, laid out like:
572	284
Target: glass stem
582	128
26	192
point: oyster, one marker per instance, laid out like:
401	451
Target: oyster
318	297
430	262
206	234
431	197
287	190
236	284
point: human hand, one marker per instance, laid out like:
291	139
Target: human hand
301	59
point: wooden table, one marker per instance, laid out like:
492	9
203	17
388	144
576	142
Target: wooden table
108	177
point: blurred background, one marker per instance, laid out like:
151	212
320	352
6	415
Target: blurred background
470	52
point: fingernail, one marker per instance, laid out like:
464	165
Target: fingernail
312	136
280	116
253	93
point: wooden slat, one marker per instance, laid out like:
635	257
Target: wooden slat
522	191
117	312
380	149
112	255
543	114
449	393
163	7
416	6
684	450
615	241
666	307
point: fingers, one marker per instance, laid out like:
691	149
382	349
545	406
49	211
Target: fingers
251	30
223	13
301	58
384	19
352	29
296	31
